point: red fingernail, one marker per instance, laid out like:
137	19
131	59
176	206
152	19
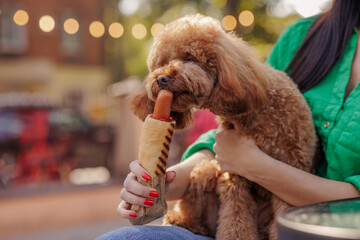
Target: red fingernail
133	214
153	193
146	176
149	202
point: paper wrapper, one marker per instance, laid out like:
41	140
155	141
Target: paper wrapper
159	209
153	155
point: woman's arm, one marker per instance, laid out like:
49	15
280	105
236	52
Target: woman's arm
178	187
297	187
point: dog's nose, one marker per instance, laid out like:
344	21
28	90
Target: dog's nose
163	81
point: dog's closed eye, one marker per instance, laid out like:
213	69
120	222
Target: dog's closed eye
190	59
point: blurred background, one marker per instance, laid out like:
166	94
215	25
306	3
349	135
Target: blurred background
66	134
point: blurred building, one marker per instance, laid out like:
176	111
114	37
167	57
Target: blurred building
58	123
53	81
29	34
46	46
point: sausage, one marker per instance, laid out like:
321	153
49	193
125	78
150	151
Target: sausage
163	103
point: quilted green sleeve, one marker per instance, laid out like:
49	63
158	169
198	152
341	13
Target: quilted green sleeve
206	140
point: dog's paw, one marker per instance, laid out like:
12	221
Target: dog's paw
204	175
173	217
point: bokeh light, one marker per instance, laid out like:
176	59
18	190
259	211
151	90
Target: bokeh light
47	23
21	17
129	7
229	22
94	175
156	28
139	31
71	26
96	29
116	30
246	18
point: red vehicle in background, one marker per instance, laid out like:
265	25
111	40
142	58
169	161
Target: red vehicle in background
42	143
36	159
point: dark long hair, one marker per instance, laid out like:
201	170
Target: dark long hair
324	44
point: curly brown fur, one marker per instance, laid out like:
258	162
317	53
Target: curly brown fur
203	180
209	68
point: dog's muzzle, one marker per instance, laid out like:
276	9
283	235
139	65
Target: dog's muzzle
163	81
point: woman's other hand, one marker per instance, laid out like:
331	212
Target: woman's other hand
136	193
235	154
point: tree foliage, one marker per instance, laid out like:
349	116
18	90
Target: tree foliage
126	56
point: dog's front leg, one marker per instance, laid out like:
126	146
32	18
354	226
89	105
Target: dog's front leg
237	214
278	206
195	211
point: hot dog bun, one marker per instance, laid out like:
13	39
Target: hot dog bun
154	145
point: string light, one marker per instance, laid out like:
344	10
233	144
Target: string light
229	22
156	28
71	26
21	17
139	31
47	23
246	18
97	29
116	30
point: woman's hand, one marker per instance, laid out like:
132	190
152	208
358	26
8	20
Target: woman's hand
236	154
136	193
241	156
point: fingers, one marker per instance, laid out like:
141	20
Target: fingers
169	177
124	212
217	147
226	141
139	171
131	184
222	135
135	199
218	137
135	193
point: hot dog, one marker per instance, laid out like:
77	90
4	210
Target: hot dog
163	103
154	149
156	135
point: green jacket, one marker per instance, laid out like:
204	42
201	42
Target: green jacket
337	122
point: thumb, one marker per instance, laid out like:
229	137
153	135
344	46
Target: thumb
170	176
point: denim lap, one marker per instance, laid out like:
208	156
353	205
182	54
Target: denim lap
152	233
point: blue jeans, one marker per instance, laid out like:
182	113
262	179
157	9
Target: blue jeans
152	233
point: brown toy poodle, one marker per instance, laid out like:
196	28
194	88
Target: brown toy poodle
208	68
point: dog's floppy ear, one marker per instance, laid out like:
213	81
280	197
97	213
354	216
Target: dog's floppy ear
238	89
140	104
